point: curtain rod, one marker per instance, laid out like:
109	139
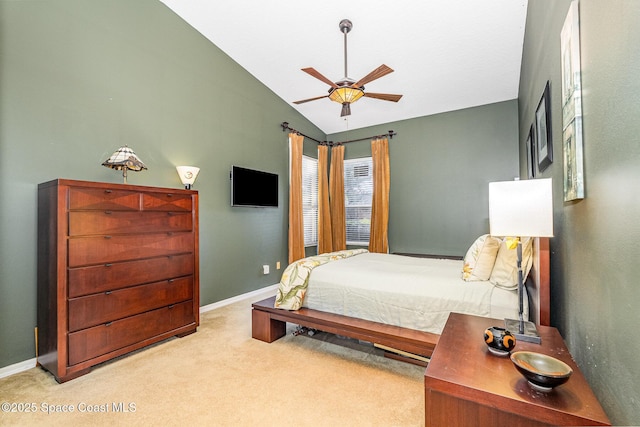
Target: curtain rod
285	127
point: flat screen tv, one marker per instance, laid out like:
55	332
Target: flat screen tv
253	188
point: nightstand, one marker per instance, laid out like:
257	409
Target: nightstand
466	385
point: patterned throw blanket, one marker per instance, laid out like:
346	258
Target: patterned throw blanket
295	279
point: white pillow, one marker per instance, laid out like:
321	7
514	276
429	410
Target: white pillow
505	269
480	258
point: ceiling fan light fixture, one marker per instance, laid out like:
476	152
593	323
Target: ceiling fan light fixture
346	109
348	91
343	95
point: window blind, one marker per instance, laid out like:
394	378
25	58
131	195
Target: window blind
310	200
358	193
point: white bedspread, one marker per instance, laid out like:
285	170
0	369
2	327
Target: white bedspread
416	293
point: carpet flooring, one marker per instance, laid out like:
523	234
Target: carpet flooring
220	376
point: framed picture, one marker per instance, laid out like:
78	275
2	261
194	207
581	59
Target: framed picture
572	106
529	147
544	143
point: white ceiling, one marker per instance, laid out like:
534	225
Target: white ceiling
447	54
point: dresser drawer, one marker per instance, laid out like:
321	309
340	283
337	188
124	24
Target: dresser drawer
166	202
109	277
105	307
99	198
102	339
82	223
109	249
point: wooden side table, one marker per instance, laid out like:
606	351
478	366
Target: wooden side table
466	385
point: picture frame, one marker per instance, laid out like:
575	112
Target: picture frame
573	164
530	152
544	140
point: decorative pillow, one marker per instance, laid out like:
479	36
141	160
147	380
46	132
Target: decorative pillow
480	258
505	270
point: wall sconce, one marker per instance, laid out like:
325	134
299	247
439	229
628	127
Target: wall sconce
124	159
187	175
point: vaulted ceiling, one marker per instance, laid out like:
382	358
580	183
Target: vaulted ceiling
447	54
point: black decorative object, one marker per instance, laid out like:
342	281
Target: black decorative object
541	371
499	340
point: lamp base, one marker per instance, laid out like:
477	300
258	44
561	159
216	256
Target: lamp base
529	332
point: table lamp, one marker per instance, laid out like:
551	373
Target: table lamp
188	175
521	208
124	159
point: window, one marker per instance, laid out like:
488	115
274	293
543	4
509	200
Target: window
358	193
310	200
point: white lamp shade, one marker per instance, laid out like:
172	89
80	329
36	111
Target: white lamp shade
187	174
521	208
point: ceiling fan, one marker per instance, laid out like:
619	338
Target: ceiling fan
348	91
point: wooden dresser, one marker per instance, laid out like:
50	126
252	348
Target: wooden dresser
117	270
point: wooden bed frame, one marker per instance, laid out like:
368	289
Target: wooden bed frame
269	323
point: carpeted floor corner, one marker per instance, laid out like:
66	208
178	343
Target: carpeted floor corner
220	376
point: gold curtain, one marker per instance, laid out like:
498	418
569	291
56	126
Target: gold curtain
336	188
296	220
324	210
379	238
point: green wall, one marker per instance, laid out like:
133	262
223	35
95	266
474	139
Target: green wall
80	78
594	254
441	166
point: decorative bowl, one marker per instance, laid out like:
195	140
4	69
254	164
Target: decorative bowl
499	340
541	371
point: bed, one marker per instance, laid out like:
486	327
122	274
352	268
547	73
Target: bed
407	321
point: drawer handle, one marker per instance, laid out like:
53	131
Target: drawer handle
108	265
108	212
107	191
108	293
107	237
107	324
171	306
169	195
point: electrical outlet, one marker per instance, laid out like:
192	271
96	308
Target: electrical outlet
265	269
278	265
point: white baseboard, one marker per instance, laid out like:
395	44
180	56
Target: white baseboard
16	368
257	294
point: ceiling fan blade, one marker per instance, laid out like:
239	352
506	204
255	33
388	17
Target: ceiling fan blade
383	96
381	71
311	99
313	72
